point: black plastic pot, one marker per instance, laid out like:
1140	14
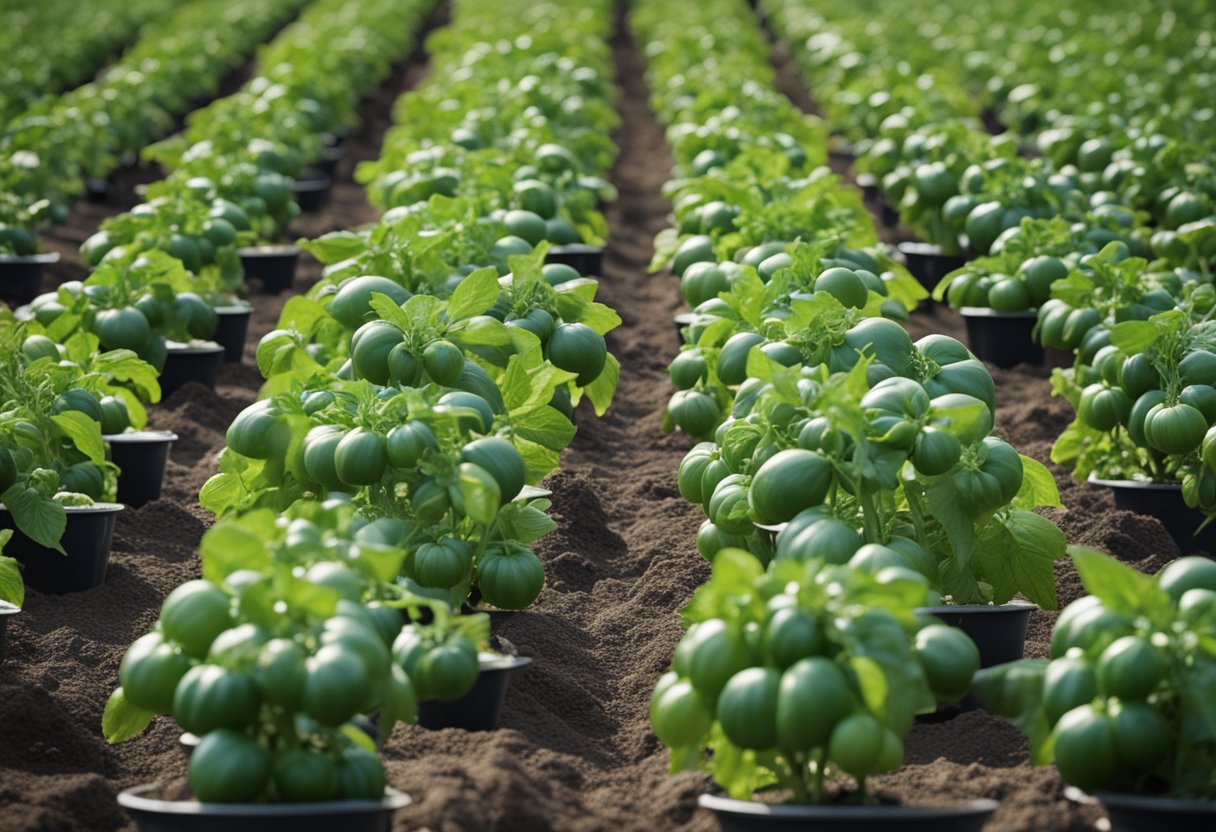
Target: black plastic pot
478	710
927	263
141	457
1002	338
888	215
1163	501
311	190
586	260
7	611
21	277
86	539
868	183
99	189
232	330
327	165
190	363
1140	813
999	632
153	815
750	816
274	266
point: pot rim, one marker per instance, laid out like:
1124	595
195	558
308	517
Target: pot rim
496	661
8	609
1146	486
95	508
149	437
242	308
1125	800
269	250
985	312
23	259
920	247
575	248
311	183
134	798
204	348
1013	605
754	808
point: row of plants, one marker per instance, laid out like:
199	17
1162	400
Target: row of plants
52	147
167	275
51	47
849	476
412	396
1132	170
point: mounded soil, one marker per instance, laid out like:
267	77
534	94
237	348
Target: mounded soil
575	751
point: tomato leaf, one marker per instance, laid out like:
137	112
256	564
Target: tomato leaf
474	295
227	547
84	433
1120	587
12	587
39	518
122	720
601	391
1038	487
1017	555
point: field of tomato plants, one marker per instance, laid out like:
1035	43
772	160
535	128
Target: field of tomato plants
577	415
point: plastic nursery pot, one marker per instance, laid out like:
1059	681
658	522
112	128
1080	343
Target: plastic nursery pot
154	815
1002	338
480	708
141	457
750	816
1142	813
275	266
21	277
1163	501
327	165
187	363
86	539
927	263
99	189
7	611
311	190
888	215
584	259
232	330
868	183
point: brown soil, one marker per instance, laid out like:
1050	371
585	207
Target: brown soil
575	751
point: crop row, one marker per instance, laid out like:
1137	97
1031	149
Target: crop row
51	148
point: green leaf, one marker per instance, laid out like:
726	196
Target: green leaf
1038	487
387	310
12	587
382	563
601	391
544	426
1132	337
229	546
84	433
601	318
1018	554
484	331
872	682
474	295
335	246
127	367
39	518
122	720
1118	586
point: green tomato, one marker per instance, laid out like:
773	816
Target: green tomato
351	304
1185	574
482	418
370	348
688	369
443	362
679	715
1068	682
336	685
280	672
728	506
115	417
194	614
406	444
443	564
1138	376
1139	413
747	708
78	400
150	671
1084	746
813	697
359	775
579	349
504	463
709	654
446	672
302	776
258	432
229	767
844	285
509	577
936	451
787	483
122	329
339	577
1130	668
949	658
1143	738
1174	429
828	539
732	359
320	446
856	744
210	697
360	457
694	412
1103	407
792	634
